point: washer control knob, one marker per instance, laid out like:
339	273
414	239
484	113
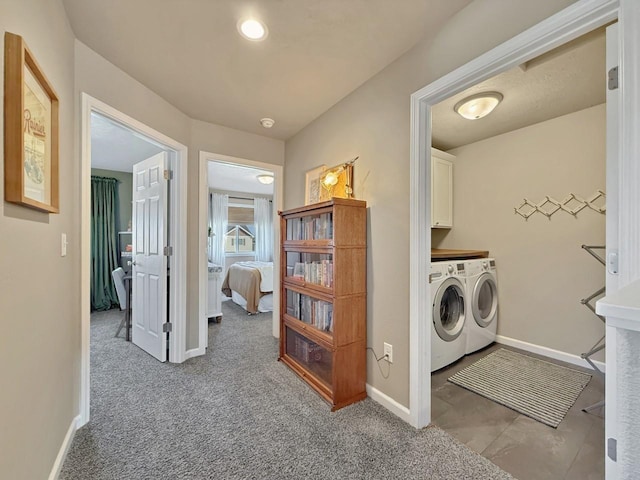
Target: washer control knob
450	268
485	265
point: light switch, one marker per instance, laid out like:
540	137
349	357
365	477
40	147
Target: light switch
63	245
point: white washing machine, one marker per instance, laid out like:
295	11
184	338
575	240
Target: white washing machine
448	336
482	303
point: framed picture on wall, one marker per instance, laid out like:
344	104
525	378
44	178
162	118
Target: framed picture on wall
30	130
312	190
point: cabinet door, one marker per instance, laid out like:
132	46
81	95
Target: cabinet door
441	193
311	357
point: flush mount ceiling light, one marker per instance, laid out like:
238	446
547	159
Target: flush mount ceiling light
478	106
252	29
267	122
265	178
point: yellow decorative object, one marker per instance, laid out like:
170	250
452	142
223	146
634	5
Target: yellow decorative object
337	181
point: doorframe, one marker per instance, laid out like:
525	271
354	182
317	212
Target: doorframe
573	21
177	237
278	198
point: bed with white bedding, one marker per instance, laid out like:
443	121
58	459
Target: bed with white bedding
250	285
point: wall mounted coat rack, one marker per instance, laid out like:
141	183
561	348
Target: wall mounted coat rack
572	204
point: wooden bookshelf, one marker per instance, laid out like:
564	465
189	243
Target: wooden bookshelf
323	313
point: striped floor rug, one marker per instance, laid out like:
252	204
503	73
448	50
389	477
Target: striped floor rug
541	390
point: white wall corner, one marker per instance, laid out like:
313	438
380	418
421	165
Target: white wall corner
389	403
64	448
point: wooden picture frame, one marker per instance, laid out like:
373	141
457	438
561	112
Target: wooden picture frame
31	135
312	190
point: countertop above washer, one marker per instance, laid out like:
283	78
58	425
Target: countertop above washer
448	254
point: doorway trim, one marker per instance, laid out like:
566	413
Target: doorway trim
573	21
177	237
203	190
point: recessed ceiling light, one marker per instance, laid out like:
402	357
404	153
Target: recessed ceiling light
266	178
267	122
252	29
478	106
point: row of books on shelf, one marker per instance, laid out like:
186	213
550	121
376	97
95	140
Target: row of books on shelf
318	272
314	312
307	351
318	227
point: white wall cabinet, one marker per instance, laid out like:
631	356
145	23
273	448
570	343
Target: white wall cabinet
441	189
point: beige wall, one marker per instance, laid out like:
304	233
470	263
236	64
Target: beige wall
221	140
542	271
373	122
39	289
106	82
103	80
40	354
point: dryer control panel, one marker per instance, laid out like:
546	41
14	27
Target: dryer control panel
446	269
456	269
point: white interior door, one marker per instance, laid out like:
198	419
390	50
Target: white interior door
149	273
612	169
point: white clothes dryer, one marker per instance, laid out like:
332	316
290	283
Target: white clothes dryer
482	303
448	336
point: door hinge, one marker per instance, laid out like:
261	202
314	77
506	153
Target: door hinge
168	175
612	262
612	447
612	82
166	327
168	251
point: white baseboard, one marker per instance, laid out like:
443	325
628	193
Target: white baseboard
389	403
64	448
194	352
548	352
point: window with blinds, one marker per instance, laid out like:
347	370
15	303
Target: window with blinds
241	231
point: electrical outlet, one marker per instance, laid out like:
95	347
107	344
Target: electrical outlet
388	352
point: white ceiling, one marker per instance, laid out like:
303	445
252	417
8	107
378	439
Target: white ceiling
317	51
562	81
115	147
237	178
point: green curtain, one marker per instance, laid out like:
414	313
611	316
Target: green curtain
104	242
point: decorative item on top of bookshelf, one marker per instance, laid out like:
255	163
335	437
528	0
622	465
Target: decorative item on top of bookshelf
312	186
338	181
30	130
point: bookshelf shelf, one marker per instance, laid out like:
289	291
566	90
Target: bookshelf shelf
323	310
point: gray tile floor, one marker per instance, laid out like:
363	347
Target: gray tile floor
527	449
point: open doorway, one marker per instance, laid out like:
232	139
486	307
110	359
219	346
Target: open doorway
622	176
520	273
115	150
239	200
240	234
119	144
561	28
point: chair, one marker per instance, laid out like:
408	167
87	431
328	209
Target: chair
118	280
